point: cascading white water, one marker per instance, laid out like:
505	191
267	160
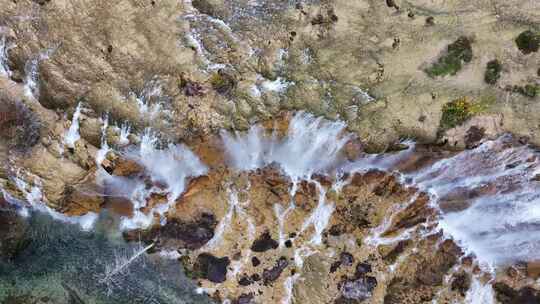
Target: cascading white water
31	88
500	221
320	216
312	145
479	293
125	130
148	100
72	134
169	169
4	69
104	149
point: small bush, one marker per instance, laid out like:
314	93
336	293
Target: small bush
493	72
528	42
451	62
223	82
528	90
457	112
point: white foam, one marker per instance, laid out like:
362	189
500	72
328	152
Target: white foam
226	221
72	135
312	145
31	88
320	217
125	130
500	226
35	199
480	293
279	85
170	168
148	100
104	149
4	69
288	286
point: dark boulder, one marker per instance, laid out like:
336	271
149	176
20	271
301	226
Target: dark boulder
212	268
357	290
270	275
177	234
264	243
507	295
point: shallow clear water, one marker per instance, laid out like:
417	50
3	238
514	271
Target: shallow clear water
64	264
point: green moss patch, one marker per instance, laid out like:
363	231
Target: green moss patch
457	53
493	72
528	42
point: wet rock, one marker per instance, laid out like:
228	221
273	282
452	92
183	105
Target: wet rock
507	295
346	259
126	167
533	269
335	266
245	299
357	290
461	282
270	275
414	214
362	269
211	268
80	199
177	234
391	252
474	136
245	281
255	261
209	7
434	268
399	291
264	243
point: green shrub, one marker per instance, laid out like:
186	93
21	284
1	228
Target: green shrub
493	72
528	42
528	90
451	62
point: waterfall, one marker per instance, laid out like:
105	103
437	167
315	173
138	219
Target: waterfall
4	69
479	293
312	145
500	221
72	135
104	149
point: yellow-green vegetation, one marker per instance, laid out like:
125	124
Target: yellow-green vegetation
222	82
528	42
460	110
457	53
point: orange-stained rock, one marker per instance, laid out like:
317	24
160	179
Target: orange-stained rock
126	167
81	199
119	205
